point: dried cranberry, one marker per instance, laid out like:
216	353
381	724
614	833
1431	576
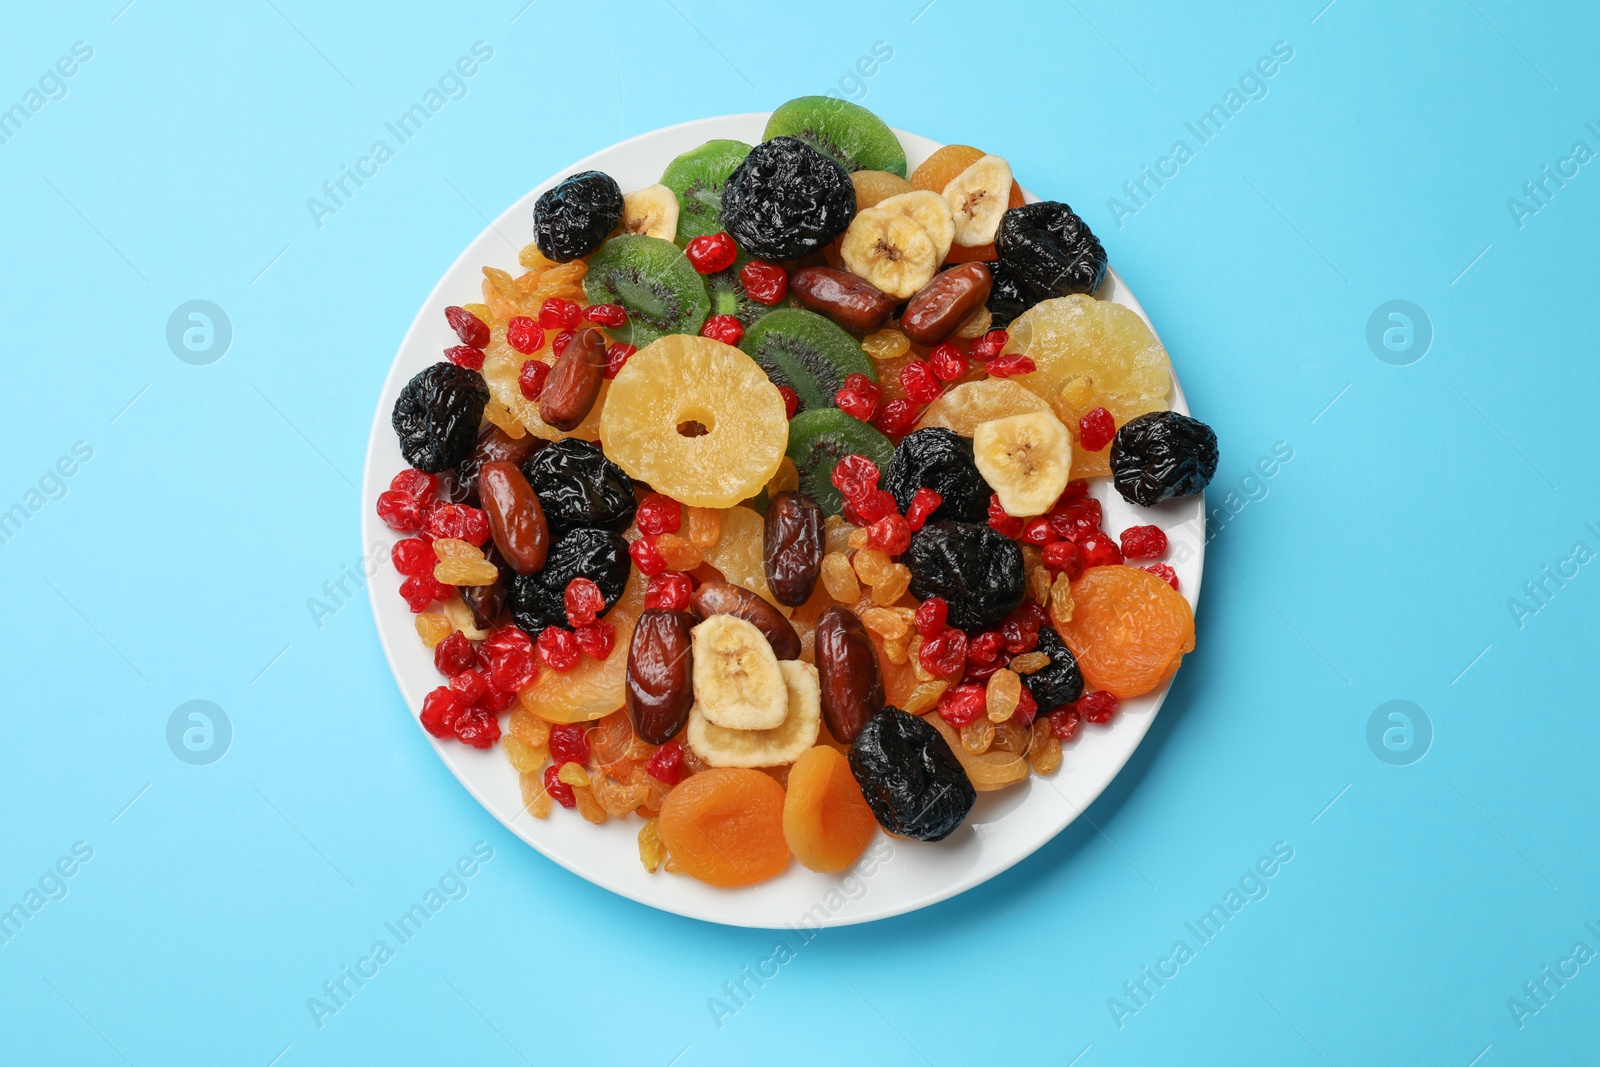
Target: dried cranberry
1096	429
869	507
617	355
1037	532
891	534
1073	520
1021	633
402	512
440	709
418	485
559	343
420	591
924	502
854	475
930	616
947	362
531	378
857	403
524	334
470	685
1027	708
658	514
896	417
1064	723
944	654
413	557
1165	573
583	601
465	356
559	791
459	521
669	590
1076	489
558	648
1097	707
646	558
989	345
596	639
612	315
919	381
666	763
471	329
569	743
725	328
712	253
1009	525
766	283
509	652
558	314
1143	542
980	672
1064	556
986	647
962	705
1006	366
497	700
455	654
477	728
791	401
1099	550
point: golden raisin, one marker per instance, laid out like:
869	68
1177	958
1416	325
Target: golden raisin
786	480
524	759
1002	693
886	344
1044	750
455	548
500	279
651	851
839	578
480	310
466	572
1061	601
679	553
885	623
573	774
529	727
588	806
534	797
836	533
977	736
858	539
1039	585
433	628
1029	662
702	526
976	325
870	563
925	696
892	584
895	651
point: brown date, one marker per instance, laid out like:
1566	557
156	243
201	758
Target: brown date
792	545
574	382
516	519
852	690
852	302
488	602
659	689
494	445
725	598
945	302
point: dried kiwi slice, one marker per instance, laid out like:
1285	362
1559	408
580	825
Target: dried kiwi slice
696	178
848	132
806	352
653	280
819	439
728	296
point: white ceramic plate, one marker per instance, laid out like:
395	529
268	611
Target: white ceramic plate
894	876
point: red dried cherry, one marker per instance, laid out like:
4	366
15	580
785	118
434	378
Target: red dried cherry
454	654
413	557
869	507
558	314
419	592
725	328
669	590
1143	542
920	382
497	700
583	601
1064	556
658	514
470	684
944	654
596	639
854	475
471	329
1165	573
418	485
1006	366
1037	531
1099	550
989	345
791	401
858	398
1027	708
558	648
612	315
1097	707
525	335
440	709
924	502
617	355
559	343
711	253
962	705
896	417
767	283
509	653
1076	519
930	616
1064	723
1001	522
666	763
531	378
459	521
465	356
646	558
402	512
947	362
891	534
569	743
559	791
1096	429
477	728
986	647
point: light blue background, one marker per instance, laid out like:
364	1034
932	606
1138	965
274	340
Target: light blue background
1378	565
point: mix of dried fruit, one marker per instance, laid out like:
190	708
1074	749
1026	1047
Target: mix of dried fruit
758	505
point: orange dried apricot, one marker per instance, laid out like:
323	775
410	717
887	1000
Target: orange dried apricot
1129	629
724	827
826	820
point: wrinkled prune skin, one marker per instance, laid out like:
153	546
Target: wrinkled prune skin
975	568
599	555
572	220
437	414
787	200
1048	251
579	487
1007	299
938	459
911	780
1058	683
1162	455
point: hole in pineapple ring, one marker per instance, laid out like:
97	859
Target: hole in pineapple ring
693	428
695	421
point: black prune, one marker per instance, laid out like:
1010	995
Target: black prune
975	568
1047	251
572	219
437	414
1007	299
578	486
787	200
1060	681
911	780
1162	455
598	555
938	459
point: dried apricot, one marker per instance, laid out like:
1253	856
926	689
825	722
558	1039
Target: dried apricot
1129	629
826	820
724	827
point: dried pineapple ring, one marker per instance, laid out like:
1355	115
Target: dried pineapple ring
676	382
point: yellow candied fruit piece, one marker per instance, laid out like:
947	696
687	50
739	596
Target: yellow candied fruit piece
891	584
1030	662
886	344
502	417
651	850
433	628
1061	601
925	697
573	774
1044	749
977	736
702	526
679	553
455	548
885	623
870	563
1002	693
839	578
534	797
465	572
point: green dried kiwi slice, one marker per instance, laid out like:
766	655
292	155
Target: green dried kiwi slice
806	352
848	132
654	281
819	439
696	179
